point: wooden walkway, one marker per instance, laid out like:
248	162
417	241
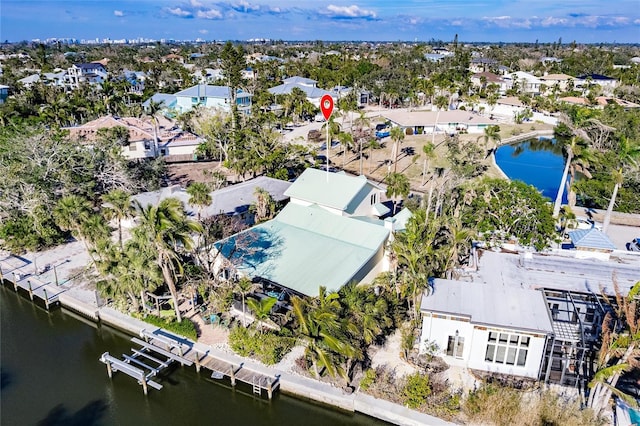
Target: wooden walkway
163	349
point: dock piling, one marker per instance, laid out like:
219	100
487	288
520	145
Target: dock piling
30	290
46	299
232	375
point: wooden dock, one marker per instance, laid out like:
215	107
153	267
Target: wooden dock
163	349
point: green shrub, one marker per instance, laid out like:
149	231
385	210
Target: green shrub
185	328
416	390
268	347
368	379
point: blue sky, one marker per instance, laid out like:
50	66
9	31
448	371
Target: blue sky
591	21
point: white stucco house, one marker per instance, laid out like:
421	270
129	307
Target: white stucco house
92	73
418	122
491	328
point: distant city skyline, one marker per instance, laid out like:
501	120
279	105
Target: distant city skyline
585	21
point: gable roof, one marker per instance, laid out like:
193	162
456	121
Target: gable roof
168	99
309	91
335	190
426	118
490	304
559	77
305	247
591	238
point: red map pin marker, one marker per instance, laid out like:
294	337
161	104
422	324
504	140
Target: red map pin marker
326	105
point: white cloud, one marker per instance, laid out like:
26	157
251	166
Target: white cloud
179	12
352	11
637	22
550	21
195	3
203	31
118	13
209	14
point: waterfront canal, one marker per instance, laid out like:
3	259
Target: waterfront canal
50	375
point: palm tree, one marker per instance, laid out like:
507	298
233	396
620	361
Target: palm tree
628	155
621	344
441	103
429	154
244	286
346	141
118	206
491	133
152	111
397	185
372	144
397	136
261	309
199	196
71	213
166	229
570	147
319	326
264	206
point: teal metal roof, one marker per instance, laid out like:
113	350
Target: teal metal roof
304	248
336	190
591	238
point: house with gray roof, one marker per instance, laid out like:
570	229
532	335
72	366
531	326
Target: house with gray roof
232	200
307	85
328	235
338	193
486	327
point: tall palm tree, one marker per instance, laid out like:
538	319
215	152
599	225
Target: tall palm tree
118	206
429	154
71	211
346	141
199	196
569	147
397	136
397	185
372	144
441	103
152	111
628	155
166	230
264	206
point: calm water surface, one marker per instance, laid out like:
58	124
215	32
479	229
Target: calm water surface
535	163
50	375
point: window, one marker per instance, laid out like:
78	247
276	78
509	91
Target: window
373	199
455	346
194	100
132	147
504	348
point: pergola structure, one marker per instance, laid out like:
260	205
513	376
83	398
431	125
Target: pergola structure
570	353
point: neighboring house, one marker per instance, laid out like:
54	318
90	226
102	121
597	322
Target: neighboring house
29	80
546	60
338	193
561	82
591	243
525	82
167	100
486	327
601	102
209	75
478	65
233	200
434	57
483	79
449	122
608	84
327	235
92	73
173	143
307	85
211	97
136	79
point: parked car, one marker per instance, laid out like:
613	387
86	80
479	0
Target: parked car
634	245
382	133
381	126
582	223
